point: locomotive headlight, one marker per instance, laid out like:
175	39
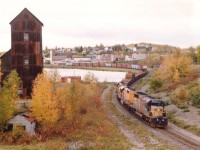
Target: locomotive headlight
157	119
163	119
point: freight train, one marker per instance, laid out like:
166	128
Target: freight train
149	109
106	64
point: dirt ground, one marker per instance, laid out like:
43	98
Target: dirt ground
132	138
192	117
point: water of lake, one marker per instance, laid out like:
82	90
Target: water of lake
102	76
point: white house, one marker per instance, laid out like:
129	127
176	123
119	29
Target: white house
78	59
128	58
28	123
117	57
139	56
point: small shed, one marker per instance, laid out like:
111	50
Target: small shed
28	123
69	79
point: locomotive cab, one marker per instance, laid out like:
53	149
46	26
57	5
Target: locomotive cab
157	113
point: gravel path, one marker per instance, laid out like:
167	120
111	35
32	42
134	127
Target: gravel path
133	139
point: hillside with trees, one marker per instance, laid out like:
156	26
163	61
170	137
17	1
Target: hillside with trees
176	71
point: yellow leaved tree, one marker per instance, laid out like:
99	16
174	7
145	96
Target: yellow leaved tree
72	97
175	67
53	101
44	102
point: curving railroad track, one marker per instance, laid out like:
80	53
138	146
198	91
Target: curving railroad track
188	141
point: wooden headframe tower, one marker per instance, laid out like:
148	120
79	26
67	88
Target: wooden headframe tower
26	48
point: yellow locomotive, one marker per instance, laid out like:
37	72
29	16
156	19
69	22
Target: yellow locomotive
149	109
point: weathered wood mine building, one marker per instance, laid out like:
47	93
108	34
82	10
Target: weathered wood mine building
25	55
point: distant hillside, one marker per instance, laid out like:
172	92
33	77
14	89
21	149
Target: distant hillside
155	47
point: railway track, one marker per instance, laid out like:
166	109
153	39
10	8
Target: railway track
183	140
171	133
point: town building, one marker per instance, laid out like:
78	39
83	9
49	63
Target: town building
136	56
128	58
106	58
59	57
115	58
69	79
81	59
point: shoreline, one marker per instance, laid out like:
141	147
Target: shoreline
92	68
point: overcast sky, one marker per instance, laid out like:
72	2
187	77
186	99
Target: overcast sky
69	23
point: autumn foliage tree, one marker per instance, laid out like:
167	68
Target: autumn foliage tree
55	102
9	96
71	100
44	102
152	61
174	67
192	54
89	77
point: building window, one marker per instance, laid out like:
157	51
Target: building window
26	60
25	36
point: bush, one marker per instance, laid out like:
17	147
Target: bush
15	137
167	102
180	98
195	98
191	85
155	84
186	110
186	95
199	112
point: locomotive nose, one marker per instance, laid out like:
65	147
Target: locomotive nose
161	121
